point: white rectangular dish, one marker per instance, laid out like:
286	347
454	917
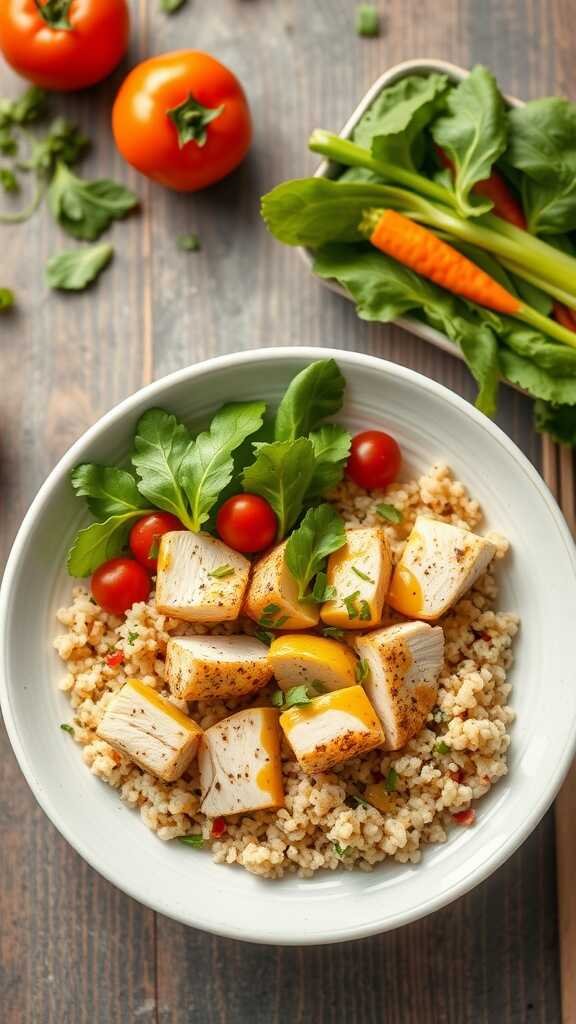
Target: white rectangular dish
328	170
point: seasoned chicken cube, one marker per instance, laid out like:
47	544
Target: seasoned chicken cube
240	767
440	563
150	730
272	598
360	572
403	665
216	667
199	579
298	660
332	728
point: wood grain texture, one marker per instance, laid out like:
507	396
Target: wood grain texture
71	947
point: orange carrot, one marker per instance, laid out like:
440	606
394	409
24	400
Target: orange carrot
416	247
565	316
505	204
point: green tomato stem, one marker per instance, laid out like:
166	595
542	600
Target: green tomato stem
342	151
547	326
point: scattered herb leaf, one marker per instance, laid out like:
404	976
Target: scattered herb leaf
391	780
367	21
6	299
322	590
195	841
333	633
86	208
362	575
362	670
441	748
320	533
358	800
264	636
350	604
365	613
342	851
389	512
221	571
331	444
64	144
74	269
189	242
8	180
67	728
132	637
171	6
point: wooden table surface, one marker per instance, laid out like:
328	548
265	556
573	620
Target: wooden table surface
73	950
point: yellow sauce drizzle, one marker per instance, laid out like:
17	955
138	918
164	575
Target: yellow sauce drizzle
269	777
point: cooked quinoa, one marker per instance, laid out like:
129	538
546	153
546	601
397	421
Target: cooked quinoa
452	762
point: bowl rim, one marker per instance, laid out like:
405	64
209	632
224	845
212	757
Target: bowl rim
114	416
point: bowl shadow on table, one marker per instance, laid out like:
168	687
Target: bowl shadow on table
490	956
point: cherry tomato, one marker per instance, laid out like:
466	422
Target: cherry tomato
375	460
118	584
182	119
246	523
145	534
64	44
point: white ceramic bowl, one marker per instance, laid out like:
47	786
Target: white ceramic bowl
538	581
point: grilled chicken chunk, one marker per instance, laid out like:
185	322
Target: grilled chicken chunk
404	663
240	767
439	564
272	598
150	730
216	667
332	728
360	572
194	582
298	660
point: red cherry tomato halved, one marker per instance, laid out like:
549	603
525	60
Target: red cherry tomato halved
375	460
246	523
146	533
120	583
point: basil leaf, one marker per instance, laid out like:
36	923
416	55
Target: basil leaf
315	393
557	420
161	443
208	466
74	269
282	473
320	533
543	147
296	696
389	512
86	208
109	491
473	133
331	444
314	211
99	542
393	126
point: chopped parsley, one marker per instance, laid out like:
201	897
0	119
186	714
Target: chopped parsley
362	670
269	619
357	800
154	548
389	512
196	841
264	636
132	637
362	575
441	747
297	696
342	851
367	21
67	728
350	604
365	613
333	632
221	571
391	781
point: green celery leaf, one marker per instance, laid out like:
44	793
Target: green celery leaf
109	491
536	381
543	147
281	473
393	126
99	542
86	208
473	133
320	533
314	393
208	466
74	269
161	443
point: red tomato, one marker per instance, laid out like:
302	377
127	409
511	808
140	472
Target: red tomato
465	818
182	119
64	44
246	523
375	460
145	534
218	827
118	584
113	660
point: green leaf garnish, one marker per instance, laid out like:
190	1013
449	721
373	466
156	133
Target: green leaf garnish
109	491
8	180
322	590
171	6
320	533
362	575
333	633
350	604
221	571
63	144
365	613
189	242
74	269
315	393
362	670
278	699
389	512
342	851
6	299
331	444
359	800
442	748
281	474
391	781
264	636
86	208
160	445
99	542
132	637
298	696
367	21
195	841
67	728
